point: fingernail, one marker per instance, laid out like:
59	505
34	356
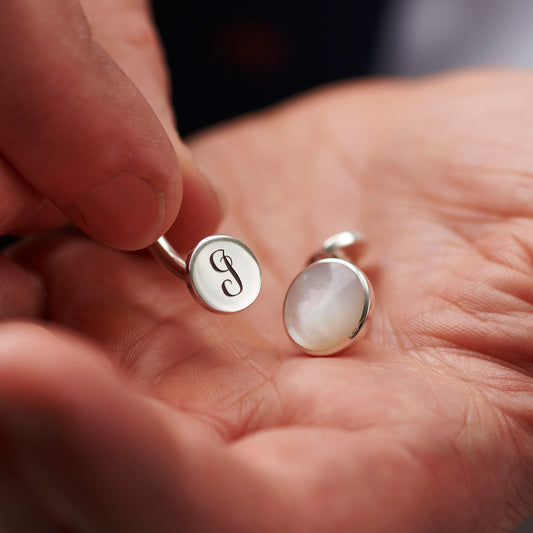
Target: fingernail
126	212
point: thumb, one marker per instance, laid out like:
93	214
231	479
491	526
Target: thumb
77	130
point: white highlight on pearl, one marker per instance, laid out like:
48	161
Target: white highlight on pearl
325	304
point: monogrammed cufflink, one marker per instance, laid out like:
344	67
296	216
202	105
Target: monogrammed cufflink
221	272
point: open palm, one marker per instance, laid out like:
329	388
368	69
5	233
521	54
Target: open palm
205	422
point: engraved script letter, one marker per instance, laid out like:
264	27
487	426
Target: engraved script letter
219	257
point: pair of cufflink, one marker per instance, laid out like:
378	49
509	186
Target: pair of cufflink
326	307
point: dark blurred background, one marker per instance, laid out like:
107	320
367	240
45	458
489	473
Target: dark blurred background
227	58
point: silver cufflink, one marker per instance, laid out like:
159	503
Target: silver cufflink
329	303
221	272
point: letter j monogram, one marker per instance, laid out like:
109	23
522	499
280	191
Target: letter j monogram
219	260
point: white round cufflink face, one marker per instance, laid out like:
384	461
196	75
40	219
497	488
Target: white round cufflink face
223	274
326	306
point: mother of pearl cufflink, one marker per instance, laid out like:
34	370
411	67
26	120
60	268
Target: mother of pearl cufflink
329	303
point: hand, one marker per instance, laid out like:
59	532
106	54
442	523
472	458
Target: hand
186	420
87	127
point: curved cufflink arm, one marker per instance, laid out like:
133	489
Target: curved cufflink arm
346	245
221	272
168	257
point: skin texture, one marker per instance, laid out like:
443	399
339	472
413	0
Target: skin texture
87	132
164	417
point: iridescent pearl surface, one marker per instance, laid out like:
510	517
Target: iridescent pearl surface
324	305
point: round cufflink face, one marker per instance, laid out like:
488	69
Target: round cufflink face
223	274
326	306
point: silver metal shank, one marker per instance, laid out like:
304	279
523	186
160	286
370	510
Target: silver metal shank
164	252
348	245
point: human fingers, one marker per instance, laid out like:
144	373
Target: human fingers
22	208
21	293
78	131
94	455
124	28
